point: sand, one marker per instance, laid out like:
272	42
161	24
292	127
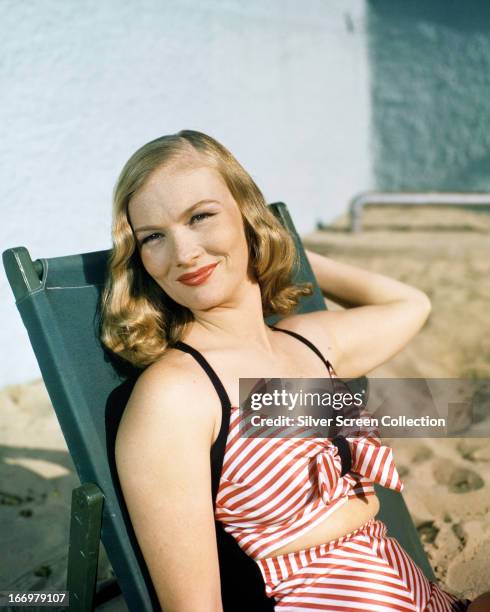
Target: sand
447	481
37	477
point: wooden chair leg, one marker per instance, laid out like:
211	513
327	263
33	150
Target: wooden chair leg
86	517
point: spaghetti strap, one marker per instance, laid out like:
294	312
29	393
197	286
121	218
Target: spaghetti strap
204	363
219	445
330	368
230	556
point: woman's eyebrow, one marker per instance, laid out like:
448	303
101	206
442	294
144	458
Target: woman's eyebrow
145	228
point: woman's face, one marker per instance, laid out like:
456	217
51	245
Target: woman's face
185	220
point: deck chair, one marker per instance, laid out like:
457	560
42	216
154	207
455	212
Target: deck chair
58	301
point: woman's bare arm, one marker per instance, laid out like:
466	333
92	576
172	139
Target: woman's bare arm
163	462
382	315
351	286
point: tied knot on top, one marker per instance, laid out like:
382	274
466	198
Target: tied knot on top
364	456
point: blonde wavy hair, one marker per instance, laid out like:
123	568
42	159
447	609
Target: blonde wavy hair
138	319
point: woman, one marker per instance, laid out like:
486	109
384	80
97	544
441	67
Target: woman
198	260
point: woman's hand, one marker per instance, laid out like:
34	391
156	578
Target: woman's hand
163	463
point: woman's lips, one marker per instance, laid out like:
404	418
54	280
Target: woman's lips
198	277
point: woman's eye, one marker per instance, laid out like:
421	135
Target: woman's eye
151	237
200	217
159	236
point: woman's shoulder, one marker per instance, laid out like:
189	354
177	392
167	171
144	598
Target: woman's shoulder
170	392
167	365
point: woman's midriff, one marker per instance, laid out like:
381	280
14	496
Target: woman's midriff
350	516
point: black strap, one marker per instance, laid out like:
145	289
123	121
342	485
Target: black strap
339	441
199	357
218	448
310	344
242	585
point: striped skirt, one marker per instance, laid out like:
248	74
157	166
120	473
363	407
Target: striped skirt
363	570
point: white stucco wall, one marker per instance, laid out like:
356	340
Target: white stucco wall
283	84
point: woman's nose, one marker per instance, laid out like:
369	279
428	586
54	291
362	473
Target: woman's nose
186	248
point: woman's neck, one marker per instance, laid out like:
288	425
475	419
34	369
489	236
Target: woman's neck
230	324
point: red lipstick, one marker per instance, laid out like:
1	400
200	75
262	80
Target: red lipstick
199	276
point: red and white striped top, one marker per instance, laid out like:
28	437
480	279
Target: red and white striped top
273	490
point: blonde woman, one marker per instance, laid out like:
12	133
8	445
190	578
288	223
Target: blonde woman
198	262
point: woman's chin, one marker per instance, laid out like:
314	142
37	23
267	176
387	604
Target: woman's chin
203	301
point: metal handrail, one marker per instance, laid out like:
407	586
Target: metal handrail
360	201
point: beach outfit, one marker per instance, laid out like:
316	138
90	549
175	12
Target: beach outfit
273	490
